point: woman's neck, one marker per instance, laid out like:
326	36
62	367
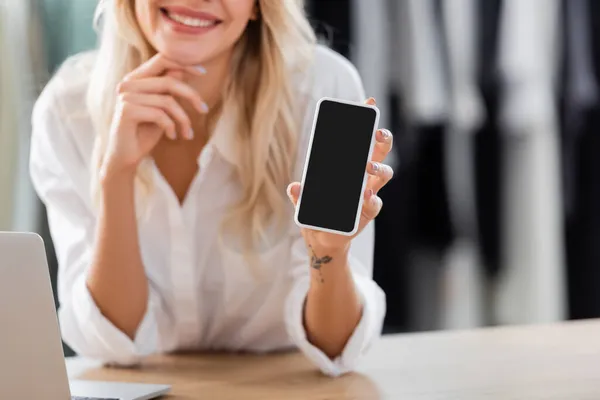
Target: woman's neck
210	86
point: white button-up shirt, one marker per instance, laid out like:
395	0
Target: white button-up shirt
202	295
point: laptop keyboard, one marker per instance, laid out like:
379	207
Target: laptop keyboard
90	398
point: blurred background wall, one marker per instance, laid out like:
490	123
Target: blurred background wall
493	216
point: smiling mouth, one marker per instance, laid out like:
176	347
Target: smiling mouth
190	21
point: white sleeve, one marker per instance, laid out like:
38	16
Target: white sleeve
372	298
60	175
348	86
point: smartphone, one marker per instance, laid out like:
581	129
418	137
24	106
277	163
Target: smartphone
335	170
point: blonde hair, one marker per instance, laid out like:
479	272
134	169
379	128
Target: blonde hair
260	91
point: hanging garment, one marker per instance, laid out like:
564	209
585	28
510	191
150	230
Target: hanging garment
462	273
487	149
370	52
460	32
430	223
419	75
393	238
457	17
422	79
583	226
419	80
581	87
579	98
583	220
531	282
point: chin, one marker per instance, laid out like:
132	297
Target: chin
185	56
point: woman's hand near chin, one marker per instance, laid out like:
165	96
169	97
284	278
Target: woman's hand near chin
146	110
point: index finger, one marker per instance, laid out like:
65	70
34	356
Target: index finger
158	65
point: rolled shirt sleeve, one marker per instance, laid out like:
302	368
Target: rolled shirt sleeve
89	333
61	178
369	327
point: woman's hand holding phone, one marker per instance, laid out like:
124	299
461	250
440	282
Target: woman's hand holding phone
379	174
333	215
147	108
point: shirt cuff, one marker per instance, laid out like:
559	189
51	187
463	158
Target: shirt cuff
366	332
100	339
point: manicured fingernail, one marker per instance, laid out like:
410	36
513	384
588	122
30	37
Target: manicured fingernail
200	69
385	134
204	107
295	190
190	134
375	166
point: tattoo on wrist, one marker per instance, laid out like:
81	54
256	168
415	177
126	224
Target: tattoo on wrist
317	262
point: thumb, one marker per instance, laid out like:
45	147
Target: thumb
371	101
293	192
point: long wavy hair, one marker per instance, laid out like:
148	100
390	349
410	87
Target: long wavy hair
260	89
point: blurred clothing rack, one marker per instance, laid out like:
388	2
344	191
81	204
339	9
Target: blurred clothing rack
472	88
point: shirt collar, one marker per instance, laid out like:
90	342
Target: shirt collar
224	139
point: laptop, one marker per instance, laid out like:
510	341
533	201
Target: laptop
32	364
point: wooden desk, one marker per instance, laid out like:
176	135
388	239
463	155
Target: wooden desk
543	363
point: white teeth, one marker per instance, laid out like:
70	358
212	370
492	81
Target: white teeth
189	21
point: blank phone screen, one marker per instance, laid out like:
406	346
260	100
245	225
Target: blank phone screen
336	166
